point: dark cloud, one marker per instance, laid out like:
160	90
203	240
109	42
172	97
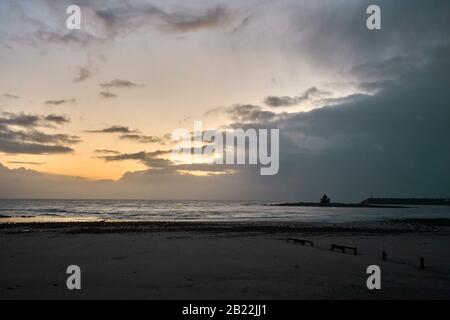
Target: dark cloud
129	134
106	94
211	18
125	156
108	22
277	101
142	138
286	101
27	163
59	102
113	129
249	112
83	73
33	184
106	151
10	96
149	159
16	147
31	120
23	120
121	20
58	119
31	140
332	35
246	113
119	83
36	136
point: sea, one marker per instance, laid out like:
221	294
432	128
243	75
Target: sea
205	211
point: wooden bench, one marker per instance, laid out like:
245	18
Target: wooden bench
300	241
339	247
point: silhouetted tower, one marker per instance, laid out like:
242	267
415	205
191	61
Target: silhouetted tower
324	200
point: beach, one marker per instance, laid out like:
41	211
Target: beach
151	260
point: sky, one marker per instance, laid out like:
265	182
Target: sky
88	113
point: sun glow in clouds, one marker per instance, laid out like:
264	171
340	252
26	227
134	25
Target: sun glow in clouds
231	144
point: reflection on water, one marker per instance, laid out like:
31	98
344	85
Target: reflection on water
156	210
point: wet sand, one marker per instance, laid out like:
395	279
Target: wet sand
135	260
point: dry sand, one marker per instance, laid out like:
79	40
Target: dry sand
185	261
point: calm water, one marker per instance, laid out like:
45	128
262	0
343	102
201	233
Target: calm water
152	210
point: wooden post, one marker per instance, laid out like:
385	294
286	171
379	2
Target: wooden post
422	263
384	255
